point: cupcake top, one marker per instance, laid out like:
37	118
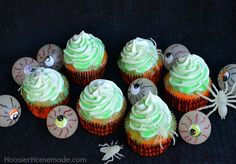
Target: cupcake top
84	52
43	84
151	116
101	99
138	56
190	76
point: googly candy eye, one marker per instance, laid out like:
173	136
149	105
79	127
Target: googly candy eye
50	56
173	53
62	122
140	88
21	67
194	127
10	110
227	75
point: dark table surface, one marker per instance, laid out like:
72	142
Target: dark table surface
207	28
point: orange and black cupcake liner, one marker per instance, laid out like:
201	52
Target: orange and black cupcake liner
85	77
154	74
181	101
99	128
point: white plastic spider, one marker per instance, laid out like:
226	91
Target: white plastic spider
221	100
110	151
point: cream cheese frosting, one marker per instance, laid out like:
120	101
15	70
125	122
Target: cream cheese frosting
138	56
84	52
101	99
190	76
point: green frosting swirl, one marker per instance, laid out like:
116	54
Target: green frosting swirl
84	52
150	116
190	76
43	84
138	56
100	99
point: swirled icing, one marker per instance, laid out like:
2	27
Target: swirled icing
149	116
43	84
84	51
138	56
190	76
100	99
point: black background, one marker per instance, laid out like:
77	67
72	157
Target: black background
206	27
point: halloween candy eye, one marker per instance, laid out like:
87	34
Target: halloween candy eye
50	55
169	58
194	127
13	114
10	111
140	88
62	122
226	76
21	67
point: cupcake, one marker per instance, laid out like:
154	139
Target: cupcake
85	58
150	126
43	89
187	78
101	107
140	59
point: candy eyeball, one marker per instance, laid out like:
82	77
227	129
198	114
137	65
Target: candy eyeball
227	75
10	110
173	53
194	127
62	122
50	56
22	67
140	88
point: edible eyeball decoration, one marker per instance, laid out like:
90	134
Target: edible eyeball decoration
227	75
10	110
22	67
50	56
62	122
194	127
140	88
173	53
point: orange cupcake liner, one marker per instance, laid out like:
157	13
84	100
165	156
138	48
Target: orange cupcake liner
42	112
181	101
148	150
102	129
85	77
153	74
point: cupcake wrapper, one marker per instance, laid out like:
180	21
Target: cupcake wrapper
99	129
42	112
181	102
148	150
145	149
153	74
84	78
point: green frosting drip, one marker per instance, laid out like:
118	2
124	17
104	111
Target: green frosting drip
190	76
151	116
44	84
84	52
138	56
100	99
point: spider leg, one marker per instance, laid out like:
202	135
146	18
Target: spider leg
112	159
121	155
103	144
232	101
206	98
206	107
215	108
232	89
231	97
117	156
111	143
173	137
213	85
116	142
231	105
212	92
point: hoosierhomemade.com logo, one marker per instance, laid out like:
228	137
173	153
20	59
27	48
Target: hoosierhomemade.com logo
34	159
